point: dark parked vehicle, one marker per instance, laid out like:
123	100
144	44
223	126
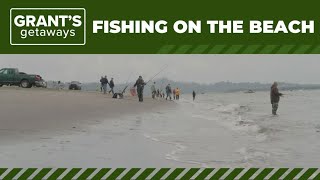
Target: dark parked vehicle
12	77
75	85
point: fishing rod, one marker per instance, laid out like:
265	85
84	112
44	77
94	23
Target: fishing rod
126	84
129	78
158	73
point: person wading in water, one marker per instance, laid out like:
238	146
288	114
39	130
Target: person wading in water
275	97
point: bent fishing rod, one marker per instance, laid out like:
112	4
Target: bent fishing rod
126	84
157	73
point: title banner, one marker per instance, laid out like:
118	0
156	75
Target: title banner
161	27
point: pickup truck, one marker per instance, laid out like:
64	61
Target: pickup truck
12	77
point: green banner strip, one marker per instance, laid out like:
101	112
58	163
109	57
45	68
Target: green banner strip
130	174
86	174
56	173
160	173
285	49
204	173
175	173
264	173
315	49
145	174
302	49
71	174
293	174
249	173
190	173
200	49
2	170
114	175
217	49
43	172
240	49
234	174
12	173
166	49
251	49
308	174
219	173
183	49
27	173
101	173
234	49
278	173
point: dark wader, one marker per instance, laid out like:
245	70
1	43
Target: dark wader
275	108
140	92
140	85
275	98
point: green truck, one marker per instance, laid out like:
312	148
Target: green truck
12	77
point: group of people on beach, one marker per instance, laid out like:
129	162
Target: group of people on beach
274	93
156	92
169	92
104	85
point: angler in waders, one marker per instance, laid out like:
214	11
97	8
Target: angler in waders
140	85
275	97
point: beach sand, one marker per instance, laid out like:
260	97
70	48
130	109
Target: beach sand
25	112
52	128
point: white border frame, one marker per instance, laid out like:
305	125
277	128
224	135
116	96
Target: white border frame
84	26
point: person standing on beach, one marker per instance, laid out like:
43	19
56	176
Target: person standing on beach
153	90
140	85
275	97
158	93
168	91
104	84
174	93
177	94
101	83
194	95
111	84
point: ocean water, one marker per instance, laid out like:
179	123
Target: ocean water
216	130
237	129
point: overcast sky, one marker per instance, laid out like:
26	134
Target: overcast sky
196	68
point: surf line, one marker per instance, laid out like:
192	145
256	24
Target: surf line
178	149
